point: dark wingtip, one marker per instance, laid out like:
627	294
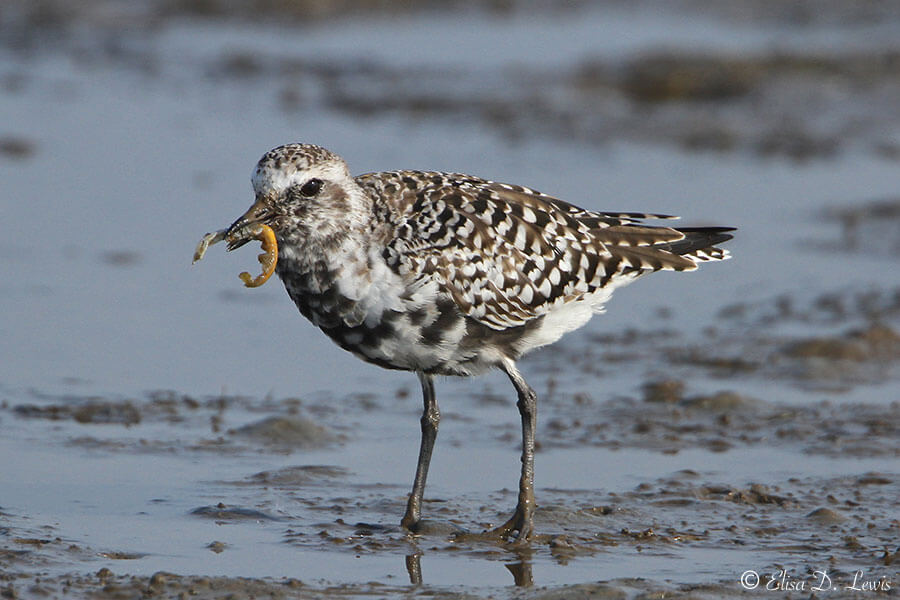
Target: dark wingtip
697	238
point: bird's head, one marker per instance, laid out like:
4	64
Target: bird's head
302	192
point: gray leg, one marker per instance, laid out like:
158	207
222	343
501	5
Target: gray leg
431	416
522	520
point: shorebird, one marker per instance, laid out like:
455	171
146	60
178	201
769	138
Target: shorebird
449	274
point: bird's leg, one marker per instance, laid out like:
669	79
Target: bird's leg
431	416
522	520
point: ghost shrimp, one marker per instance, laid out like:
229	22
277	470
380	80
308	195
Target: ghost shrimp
256	231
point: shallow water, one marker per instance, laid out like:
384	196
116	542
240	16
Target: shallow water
131	156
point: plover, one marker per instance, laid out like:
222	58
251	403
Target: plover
450	274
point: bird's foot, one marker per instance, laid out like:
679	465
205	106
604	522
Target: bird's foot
516	530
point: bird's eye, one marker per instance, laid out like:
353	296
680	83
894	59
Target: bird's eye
311	188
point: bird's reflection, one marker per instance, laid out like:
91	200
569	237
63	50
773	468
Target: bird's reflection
414	568
521	572
520	567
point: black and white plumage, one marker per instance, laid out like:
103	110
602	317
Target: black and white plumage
450	274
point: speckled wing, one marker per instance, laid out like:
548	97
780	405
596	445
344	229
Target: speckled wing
507	254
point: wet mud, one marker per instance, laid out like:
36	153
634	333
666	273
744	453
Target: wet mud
804	525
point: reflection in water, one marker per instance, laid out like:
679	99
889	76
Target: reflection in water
521	572
520	568
414	568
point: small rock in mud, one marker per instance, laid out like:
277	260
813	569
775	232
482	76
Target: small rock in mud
725	401
18	148
669	391
116	555
123	413
295	476
826	516
88	412
711	358
286	432
600	591
52	413
755	494
877	342
828	348
873	479
159	578
31	541
666	78
221	512
120	258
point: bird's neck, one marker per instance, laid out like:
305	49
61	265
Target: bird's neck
314	254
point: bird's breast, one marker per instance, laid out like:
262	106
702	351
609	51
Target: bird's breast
370	310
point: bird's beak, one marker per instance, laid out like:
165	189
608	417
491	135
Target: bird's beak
240	232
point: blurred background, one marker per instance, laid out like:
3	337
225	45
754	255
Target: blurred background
128	129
